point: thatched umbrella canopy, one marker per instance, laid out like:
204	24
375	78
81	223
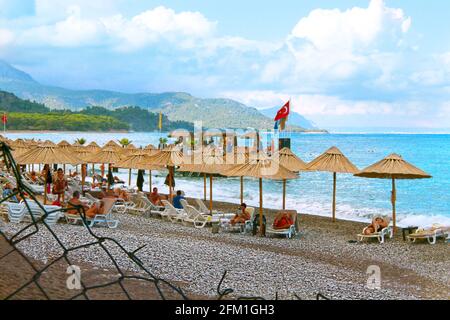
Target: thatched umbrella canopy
47	153
332	160
64	144
393	167
112	144
261	168
210	162
131	161
105	155
93	147
170	158
150	147
290	161
19	147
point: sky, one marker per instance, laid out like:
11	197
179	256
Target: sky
343	63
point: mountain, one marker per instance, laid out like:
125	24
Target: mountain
214	113
295	118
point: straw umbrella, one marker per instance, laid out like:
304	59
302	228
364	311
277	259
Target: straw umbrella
211	163
290	161
92	148
46	154
261	168
65	145
170	158
131	161
393	167
332	160
105	155
19	147
112	144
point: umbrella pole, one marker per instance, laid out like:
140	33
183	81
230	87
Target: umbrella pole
83	177
107	178
394	196
64	168
93	169
129	178
150	180
204	187
284	194
210	194
334	196
242	189
260	207
170	184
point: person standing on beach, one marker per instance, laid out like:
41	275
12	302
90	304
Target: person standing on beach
59	184
177	200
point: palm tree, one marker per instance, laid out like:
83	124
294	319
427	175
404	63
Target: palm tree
124	142
81	141
162	143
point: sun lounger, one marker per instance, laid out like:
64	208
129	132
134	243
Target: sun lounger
16	211
380	235
193	216
170	212
225	223
107	218
431	234
290	231
203	208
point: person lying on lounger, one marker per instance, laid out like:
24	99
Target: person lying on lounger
97	208
377	225
242	216
283	220
121	194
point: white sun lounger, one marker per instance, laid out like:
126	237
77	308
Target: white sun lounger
430	235
170	212
193	216
380	235
288	232
242	227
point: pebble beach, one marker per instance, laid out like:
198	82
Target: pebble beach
324	259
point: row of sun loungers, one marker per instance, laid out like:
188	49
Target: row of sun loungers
198	216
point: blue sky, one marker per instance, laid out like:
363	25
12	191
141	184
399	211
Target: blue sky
343	63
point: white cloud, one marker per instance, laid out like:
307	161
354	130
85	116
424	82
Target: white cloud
326	110
335	45
6	38
160	23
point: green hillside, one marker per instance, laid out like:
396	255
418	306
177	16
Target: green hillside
29	115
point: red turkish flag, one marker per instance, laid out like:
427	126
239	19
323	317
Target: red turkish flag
4	119
283	112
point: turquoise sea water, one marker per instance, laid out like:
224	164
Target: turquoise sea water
419	202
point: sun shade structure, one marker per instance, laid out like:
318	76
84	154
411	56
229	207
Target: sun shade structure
261	168
131	162
93	147
170	158
290	161
47	154
113	145
210	162
19	147
105	155
332	160
393	167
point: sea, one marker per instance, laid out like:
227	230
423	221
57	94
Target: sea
420	202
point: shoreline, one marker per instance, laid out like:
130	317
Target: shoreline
320	260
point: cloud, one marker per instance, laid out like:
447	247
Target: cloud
119	32
6	38
329	46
